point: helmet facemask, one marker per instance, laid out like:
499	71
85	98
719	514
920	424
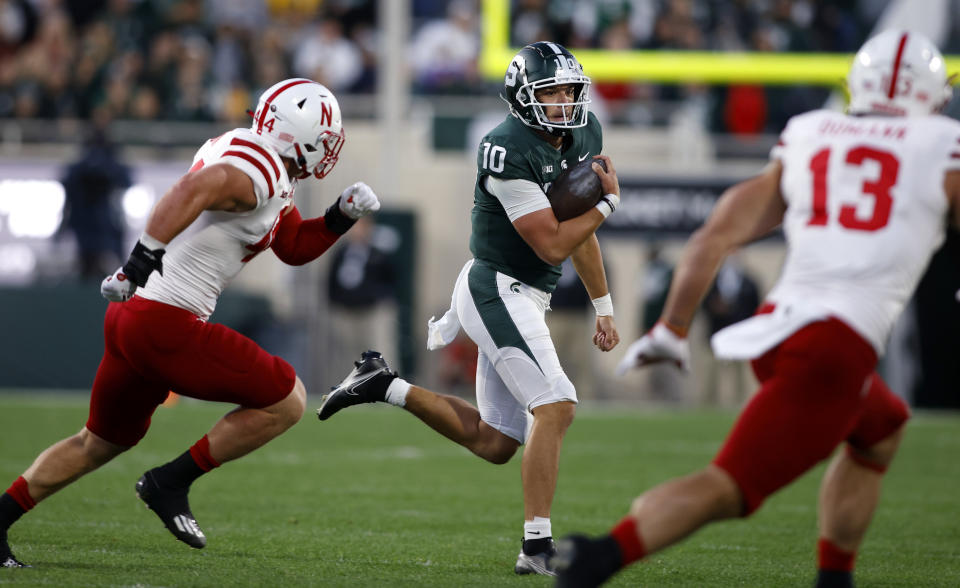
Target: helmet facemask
574	113
543	65
329	143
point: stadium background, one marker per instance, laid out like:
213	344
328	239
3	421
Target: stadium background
691	93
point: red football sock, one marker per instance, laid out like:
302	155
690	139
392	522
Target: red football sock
18	490
200	452
831	557
628	538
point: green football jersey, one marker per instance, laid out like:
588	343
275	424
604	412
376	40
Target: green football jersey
514	151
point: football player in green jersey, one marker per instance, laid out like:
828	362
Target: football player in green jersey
502	294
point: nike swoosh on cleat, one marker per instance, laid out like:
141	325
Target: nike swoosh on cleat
359	381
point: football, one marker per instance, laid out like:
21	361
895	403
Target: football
576	190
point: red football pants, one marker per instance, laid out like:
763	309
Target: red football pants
152	348
818	389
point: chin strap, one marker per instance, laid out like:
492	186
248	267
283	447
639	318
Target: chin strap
302	162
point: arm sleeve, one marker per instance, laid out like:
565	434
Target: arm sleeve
300	241
518	197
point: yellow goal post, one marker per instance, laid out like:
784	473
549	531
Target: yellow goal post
819	69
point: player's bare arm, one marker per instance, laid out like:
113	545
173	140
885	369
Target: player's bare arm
951	185
216	187
588	261
745	211
554	241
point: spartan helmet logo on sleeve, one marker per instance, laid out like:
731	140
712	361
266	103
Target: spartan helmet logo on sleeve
300	119
898	73
542	65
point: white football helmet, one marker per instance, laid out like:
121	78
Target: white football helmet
899	73
300	119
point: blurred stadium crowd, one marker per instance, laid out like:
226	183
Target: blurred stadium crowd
196	60
184	60
703	25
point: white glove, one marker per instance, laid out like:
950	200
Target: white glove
117	287
659	344
358	200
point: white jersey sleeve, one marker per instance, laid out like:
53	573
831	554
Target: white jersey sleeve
242	149
201	262
518	197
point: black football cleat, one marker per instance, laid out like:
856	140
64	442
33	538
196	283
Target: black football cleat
582	562
834	579
6	556
367	382
539	563
172	507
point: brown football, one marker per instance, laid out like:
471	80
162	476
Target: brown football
576	190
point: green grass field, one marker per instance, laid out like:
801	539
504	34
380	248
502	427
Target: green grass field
373	498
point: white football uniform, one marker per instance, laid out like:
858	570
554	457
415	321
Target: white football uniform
199	266
866	210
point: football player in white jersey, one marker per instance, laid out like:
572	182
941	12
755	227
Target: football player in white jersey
157	338
863	199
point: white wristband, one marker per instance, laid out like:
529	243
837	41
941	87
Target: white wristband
604	207
151	243
603	305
